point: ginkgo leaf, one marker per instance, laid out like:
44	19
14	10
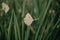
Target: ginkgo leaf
5	7
28	19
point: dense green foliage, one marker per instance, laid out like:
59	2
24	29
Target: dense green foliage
46	27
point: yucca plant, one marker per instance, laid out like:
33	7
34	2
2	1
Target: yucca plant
29	20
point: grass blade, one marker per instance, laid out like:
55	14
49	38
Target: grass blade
42	19
9	28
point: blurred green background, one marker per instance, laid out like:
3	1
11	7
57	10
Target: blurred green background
45	27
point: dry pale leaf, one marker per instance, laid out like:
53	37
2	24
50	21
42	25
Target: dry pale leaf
5	7
28	19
